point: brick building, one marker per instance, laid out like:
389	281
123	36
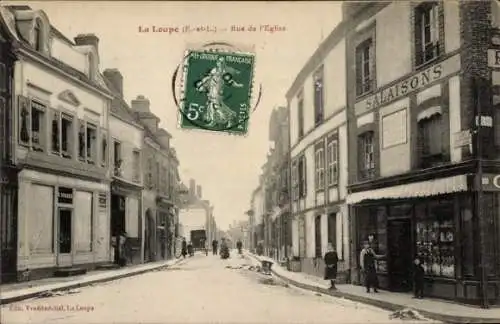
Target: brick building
419	73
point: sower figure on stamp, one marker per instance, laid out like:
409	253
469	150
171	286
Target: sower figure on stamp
213	85
367	262
331	259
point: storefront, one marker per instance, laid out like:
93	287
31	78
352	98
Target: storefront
440	229
126	218
63	223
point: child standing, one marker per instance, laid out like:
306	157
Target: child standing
418	278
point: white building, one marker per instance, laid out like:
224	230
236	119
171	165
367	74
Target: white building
61	131
126	154
318	129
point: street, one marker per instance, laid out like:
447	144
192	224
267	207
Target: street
199	290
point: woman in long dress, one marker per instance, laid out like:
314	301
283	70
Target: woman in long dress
331	259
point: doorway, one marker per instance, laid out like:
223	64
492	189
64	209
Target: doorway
399	241
65	236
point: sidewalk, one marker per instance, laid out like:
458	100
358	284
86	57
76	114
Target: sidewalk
11	293
431	308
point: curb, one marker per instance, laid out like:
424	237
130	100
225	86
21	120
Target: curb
13	299
383	304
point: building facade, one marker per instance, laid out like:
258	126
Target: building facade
157	201
318	134
8	170
417	150
126	134
60	129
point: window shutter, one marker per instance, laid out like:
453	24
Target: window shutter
418	36
24	120
359	74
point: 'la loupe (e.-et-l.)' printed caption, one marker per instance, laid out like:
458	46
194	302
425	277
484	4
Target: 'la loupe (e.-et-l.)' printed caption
189	29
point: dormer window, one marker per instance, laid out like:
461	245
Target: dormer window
38	36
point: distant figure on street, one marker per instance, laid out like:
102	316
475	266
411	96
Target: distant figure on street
239	246
184	248
123	248
215	244
190	249
224	249
418	278
367	262
331	259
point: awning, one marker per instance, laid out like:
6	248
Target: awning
413	190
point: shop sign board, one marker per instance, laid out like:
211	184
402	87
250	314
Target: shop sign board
462	138
491	182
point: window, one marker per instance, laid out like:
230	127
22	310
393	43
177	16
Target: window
319	167
317	236
55	132
295	181
104	149
302	177
300	112
364	67
367	158
66	135
430	141
81	140
38	36
318	96
158	176
91	143
149	174
32	120
117	158
435	237
426	32
332	162
136	157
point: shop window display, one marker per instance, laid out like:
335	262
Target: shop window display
435	238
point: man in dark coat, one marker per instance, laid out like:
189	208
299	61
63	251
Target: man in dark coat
214	247
418	278
331	259
239	246
367	261
184	247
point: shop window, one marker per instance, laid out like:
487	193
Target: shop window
317	236
490	208
302	177
435	239
319	109
426	33
300	113
319	167
332	162
91	143
431	141
367	156
364	67
66	135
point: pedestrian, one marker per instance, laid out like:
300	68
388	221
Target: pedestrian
367	261
215	244
190	249
184	248
239	246
331	259
418	278
123	248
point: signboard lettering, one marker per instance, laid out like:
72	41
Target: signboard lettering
491	182
65	195
408	85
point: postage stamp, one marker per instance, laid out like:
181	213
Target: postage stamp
217	91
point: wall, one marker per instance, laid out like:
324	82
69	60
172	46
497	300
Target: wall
334	74
63	52
130	138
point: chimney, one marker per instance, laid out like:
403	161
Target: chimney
140	104
88	39
192	188
198	191
115	77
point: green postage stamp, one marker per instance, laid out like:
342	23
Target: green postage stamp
217	91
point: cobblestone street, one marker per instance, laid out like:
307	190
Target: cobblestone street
204	289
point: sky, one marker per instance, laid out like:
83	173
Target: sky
227	167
